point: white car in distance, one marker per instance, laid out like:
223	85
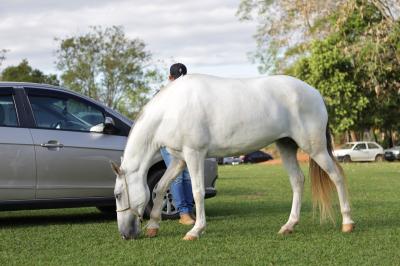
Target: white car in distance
359	151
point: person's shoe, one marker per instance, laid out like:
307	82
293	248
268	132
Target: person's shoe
186	219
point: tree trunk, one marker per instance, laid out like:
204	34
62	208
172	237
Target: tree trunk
375	136
353	135
390	140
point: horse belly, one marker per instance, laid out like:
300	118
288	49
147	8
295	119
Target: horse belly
236	137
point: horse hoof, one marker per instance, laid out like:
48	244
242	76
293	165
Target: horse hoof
348	228
285	231
151	232
190	238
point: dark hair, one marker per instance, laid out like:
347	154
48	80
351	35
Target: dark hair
177	70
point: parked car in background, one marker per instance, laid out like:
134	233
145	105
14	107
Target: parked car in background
232	160
55	148
392	154
359	151
257	157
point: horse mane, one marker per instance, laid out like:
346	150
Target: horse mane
142	113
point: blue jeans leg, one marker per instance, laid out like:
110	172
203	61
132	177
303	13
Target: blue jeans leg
181	187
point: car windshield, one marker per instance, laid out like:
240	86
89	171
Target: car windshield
347	146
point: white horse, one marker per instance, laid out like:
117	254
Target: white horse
199	116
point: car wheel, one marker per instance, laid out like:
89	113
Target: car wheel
379	158
347	159
169	211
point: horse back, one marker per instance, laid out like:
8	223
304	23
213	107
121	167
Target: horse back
221	114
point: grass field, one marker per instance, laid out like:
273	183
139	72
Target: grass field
253	202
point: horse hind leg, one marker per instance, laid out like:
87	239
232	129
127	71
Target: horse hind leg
288	150
325	169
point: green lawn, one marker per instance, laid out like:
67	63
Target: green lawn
253	202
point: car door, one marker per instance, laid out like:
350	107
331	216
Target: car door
17	156
72	161
360	152
373	150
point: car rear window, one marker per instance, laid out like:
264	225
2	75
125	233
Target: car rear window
372	146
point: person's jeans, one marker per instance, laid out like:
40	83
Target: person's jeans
181	187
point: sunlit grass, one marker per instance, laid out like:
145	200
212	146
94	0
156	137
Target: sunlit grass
253	202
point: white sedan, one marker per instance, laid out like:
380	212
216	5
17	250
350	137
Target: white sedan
359	151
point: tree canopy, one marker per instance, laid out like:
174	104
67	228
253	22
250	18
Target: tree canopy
349	50
2	55
108	66
25	73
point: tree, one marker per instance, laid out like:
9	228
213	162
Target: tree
286	28
106	65
25	73
349	50
329	70
2	55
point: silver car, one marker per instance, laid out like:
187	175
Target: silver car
55	148
359	151
392	154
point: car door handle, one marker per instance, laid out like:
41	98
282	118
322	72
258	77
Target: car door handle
52	144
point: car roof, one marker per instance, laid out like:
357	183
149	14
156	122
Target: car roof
356	142
14	84
7	84
28	84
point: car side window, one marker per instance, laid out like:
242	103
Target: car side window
360	146
8	114
64	113
372	146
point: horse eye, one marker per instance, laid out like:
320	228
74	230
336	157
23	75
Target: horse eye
118	196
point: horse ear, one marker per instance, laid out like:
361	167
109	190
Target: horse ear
116	169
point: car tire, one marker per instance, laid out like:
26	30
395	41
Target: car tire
169	211
347	159
379	158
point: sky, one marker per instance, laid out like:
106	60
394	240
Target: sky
205	35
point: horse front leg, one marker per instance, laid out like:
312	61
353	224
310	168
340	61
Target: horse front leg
174	169
195	163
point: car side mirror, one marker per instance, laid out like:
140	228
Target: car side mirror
108	127
109	121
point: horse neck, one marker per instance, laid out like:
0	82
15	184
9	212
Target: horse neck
140	148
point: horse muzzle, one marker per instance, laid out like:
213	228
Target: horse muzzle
130	230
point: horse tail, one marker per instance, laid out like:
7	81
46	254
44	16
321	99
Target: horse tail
322	186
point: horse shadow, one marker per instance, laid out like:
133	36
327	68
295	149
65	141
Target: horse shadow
29	219
248	209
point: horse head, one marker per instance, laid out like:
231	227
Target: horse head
131	197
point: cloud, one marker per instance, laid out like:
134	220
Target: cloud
199	33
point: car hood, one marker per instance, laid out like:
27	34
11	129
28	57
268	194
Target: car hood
341	152
395	151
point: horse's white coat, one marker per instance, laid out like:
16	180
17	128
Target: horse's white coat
199	116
